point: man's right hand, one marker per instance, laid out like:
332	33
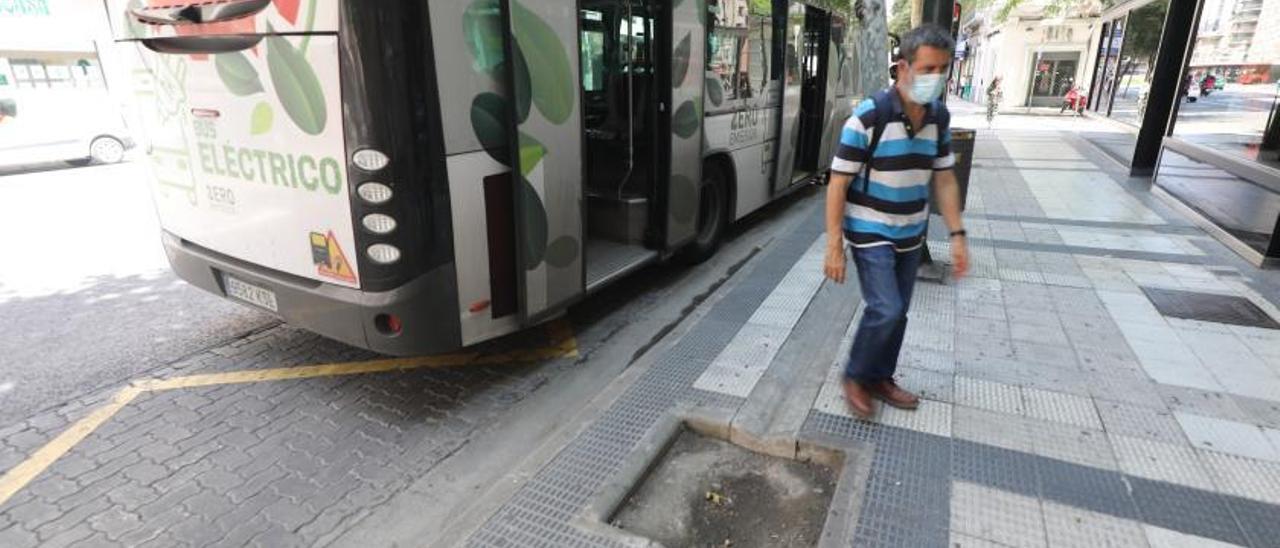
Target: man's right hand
835	263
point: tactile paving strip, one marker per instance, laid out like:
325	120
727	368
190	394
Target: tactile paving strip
540	513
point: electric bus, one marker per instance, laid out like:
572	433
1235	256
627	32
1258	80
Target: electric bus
415	176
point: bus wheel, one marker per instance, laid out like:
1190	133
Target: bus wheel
713	216
106	150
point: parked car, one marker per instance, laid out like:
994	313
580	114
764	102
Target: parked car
74	126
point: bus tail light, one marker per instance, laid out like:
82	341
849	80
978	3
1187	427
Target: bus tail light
375	193
378	223
370	160
388	324
383	253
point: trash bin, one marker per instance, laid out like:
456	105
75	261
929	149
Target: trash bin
962	147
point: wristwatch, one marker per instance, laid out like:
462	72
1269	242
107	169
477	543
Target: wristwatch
961	232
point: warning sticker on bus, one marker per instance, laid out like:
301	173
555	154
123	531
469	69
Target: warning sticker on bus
329	259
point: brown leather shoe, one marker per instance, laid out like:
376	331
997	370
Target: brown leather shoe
858	399
894	395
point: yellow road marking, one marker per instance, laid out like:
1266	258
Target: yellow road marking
19	476
563	344
307	372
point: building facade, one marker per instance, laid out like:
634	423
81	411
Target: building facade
1038	58
52	44
1215	145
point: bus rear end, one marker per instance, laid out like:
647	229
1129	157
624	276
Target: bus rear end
297	158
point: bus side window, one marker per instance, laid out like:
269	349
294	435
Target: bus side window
759	47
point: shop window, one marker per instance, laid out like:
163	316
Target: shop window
1137	61
1229	90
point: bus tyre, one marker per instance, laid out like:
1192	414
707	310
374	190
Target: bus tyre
106	150
713	216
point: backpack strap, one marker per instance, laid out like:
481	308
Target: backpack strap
883	108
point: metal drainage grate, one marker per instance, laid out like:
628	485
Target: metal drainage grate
1209	307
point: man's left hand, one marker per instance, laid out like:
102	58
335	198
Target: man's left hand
959	256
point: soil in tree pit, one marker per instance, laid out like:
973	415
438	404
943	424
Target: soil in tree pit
707	492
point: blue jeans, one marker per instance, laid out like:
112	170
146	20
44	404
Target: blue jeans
887	279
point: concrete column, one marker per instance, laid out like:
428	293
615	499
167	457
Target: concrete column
1166	78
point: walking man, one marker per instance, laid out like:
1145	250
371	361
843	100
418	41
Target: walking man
893	145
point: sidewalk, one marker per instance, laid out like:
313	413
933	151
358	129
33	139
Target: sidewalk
1063	406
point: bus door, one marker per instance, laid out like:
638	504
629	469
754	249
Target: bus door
687	70
833	113
792	90
815	92
546	132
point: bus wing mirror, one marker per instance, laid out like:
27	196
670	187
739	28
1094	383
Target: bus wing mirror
189	45
199	13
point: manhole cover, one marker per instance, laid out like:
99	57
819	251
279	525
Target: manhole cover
708	492
1208	307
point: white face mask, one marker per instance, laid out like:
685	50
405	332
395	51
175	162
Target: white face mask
925	88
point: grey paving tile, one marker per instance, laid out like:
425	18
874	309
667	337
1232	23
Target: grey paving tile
1004	517
1258	520
1002	430
1260	412
930	385
1140	422
1034	317
961	540
1159	461
1060	407
1244	477
1071	527
1196	512
1046	353
923	358
991	466
1201	402
990	395
1133	390
1071	443
1225	436
1086	487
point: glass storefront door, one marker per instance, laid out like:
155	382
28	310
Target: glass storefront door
1137	60
1053	74
1109	66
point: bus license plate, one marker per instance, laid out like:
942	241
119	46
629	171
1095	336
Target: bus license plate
250	293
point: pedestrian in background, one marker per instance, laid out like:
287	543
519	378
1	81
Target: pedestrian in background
994	95
894	145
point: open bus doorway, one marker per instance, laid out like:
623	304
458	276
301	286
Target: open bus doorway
620	96
813	91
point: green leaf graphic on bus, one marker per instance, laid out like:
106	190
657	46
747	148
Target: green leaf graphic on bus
489	122
686	120
553	84
262	120
531	153
715	91
562	252
534	223
482	26
522	93
680	61
237	73
296	85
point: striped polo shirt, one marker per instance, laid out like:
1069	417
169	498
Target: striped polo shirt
894	209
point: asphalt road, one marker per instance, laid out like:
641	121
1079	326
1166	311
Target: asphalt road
86	296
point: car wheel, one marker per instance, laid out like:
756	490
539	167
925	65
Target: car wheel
106	150
713	216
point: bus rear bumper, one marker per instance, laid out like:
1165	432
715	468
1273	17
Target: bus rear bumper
426	306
